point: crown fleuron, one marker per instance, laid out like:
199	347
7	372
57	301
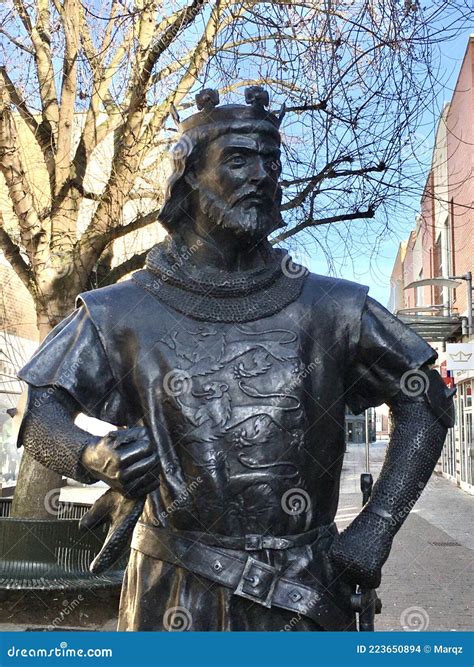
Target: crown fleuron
255	111
207	99
257	96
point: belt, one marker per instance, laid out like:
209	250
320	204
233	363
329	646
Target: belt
247	576
254	542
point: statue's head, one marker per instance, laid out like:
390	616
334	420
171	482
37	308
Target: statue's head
226	168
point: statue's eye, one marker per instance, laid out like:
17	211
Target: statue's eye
236	161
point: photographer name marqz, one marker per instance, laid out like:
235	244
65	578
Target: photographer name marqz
409	648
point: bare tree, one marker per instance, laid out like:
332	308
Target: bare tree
354	76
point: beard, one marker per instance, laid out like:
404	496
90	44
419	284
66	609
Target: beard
243	217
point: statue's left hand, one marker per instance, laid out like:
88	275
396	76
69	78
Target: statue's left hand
360	551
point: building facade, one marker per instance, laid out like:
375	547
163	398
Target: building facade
18	341
441	247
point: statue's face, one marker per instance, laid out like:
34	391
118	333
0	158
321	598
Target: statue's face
238	185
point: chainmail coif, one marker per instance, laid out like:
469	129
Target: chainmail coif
212	295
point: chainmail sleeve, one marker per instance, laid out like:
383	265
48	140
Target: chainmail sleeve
392	365
49	434
416	441
420	425
70	373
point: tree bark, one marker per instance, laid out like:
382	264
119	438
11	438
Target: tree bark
31	499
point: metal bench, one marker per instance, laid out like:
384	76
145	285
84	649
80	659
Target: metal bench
52	554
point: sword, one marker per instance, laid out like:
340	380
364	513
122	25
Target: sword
366	602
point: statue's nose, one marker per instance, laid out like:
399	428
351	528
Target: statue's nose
259	173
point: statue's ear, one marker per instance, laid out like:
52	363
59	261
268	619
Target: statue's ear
191	178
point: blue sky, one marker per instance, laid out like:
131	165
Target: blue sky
374	268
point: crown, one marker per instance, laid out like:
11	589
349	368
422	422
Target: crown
461	356
254	111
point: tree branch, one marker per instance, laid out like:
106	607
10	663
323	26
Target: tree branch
17	99
40	35
70	17
133	264
16	42
134	141
138	223
327	172
13	255
17	183
312	182
40	131
357	215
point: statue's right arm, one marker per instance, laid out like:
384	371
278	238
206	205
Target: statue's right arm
49	434
124	459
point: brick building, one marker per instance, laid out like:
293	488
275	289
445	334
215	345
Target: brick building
442	247
460	167
18	340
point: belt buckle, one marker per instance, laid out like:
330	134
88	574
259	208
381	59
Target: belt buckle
257	582
253	542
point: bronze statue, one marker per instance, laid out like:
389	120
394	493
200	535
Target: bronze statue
226	369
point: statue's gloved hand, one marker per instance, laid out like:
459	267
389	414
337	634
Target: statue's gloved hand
126	460
360	551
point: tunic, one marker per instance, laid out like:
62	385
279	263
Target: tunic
249	422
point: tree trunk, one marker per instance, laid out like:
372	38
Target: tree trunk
34	497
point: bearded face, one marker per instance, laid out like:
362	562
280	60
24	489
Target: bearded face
237	185
250	215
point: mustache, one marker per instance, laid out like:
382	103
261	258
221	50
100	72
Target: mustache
263	195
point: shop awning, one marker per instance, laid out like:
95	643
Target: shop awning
434	328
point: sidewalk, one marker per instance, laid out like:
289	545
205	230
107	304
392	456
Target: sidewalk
427	581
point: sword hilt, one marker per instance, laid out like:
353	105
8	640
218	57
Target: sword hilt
366	603
366	484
